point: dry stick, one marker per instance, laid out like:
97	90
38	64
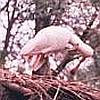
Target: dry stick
58	83
53	85
40	88
36	91
68	89
43	90
91	79
58	89
41	98
76	94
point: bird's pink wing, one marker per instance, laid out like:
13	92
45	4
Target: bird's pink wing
85	49
28	47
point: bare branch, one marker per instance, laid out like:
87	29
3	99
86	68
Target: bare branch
5	6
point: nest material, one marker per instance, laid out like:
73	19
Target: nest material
15	86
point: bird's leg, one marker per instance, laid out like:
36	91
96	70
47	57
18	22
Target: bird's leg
41	67
74	71
35	61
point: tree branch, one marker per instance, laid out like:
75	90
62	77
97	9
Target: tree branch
5	6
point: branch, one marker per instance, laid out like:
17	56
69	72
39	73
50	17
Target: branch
45	87
5	6
8	11
58	89
12	17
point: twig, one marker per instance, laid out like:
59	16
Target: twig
6	5
58	89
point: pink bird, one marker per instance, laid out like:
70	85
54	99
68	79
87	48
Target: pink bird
53	39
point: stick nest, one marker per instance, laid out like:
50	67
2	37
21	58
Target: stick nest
15	86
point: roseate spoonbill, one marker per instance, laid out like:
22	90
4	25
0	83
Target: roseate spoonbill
53	39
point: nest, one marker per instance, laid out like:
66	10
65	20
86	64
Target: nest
15	86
